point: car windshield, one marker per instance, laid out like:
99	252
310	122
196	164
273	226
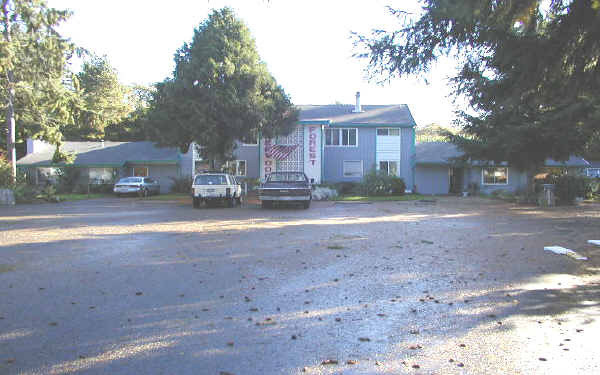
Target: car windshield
130	180
286	177
210	179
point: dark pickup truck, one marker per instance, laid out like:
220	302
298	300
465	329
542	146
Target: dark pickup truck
285	187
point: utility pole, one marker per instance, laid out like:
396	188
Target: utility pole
10	102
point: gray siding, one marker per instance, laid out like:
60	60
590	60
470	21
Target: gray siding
333	157
186	162
432	179
517	180
252	157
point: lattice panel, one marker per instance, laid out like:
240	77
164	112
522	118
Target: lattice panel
295	161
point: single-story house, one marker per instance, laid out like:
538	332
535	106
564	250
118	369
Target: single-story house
438	173
594	169
103	162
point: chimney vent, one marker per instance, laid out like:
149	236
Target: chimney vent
357	107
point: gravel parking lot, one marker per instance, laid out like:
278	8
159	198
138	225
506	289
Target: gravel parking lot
458	286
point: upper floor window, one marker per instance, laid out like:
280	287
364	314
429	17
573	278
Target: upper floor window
494	176
341	137
388	132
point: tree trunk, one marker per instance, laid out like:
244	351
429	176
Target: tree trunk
10	109
10	125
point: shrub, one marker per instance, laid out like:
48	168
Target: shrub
182	184
25	193
6	180
569	187
380	183
345	188
67	178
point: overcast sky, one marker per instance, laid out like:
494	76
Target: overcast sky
306	45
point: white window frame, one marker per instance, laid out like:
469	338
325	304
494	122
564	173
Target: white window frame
362	169
237	167
340	137
495	184
388	166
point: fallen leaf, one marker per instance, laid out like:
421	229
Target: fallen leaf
330	362
351	362
364	339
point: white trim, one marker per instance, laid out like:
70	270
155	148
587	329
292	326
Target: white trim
340	135
483	181
362	169
237	167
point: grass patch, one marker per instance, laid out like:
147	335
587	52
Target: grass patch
80	197
362	198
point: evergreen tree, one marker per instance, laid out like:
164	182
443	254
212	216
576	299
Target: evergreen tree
220	92
102	100
33	58
530	70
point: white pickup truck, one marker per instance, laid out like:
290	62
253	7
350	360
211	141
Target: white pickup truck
216	187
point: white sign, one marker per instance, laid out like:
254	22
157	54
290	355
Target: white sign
312	152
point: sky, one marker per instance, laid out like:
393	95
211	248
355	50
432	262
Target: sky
306	45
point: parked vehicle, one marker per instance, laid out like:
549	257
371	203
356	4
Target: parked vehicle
216	187
142	186
285	187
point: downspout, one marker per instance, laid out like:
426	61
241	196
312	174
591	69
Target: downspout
414	159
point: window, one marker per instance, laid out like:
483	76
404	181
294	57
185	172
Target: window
389	167
341	137
236	167
210	179
140	171
101	175
388	132
494	176
353	168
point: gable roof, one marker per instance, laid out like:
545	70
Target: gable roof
441	153
397	115
111	154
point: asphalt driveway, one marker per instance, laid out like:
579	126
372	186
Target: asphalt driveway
460	286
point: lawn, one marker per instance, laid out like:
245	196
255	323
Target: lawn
362	198
80	197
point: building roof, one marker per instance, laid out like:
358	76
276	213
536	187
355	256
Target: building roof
372	115
109	154
442	153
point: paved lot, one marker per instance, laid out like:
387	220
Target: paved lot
462	286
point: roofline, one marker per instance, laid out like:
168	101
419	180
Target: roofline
314	122
370	125
153	162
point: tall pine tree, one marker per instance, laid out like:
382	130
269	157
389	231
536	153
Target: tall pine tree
33	58
530	69
220	92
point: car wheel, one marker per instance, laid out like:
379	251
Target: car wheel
239	201
196	202
306	205
265	204
230	203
